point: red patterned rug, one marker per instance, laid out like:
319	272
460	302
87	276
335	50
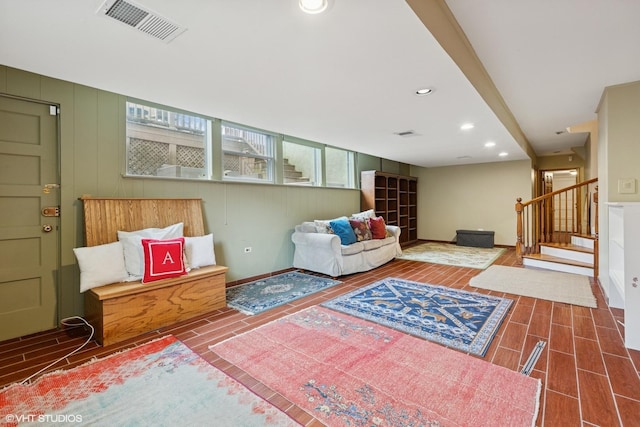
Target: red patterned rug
159	383
348	371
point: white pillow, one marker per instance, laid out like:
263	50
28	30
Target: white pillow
101	265
132	243
323	226
199	251
364	215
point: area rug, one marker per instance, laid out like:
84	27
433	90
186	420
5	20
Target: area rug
158	383
544	284
264	294
466	321
346	371
449	254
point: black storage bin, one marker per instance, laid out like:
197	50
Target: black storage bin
475	238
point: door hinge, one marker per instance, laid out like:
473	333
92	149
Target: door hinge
54	110
51	211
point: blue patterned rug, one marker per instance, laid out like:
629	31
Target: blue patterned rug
261	295
466	321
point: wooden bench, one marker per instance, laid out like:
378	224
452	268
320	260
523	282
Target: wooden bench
123	310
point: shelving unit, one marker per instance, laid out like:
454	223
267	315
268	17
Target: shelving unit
393	197
624	271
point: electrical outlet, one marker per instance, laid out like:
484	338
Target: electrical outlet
247	249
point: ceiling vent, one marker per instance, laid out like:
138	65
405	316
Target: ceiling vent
141	19
406	133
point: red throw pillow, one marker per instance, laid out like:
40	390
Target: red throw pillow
378	228
163	259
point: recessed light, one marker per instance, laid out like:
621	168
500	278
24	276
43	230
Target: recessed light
313	6
503	154
489	144
467	126
424	91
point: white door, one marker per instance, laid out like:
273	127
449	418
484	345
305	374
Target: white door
563	204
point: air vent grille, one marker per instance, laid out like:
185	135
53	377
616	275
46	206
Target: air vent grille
127	13
141	19
406	133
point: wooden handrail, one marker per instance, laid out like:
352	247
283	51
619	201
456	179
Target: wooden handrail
555	216
554	193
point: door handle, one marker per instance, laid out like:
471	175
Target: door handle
47	228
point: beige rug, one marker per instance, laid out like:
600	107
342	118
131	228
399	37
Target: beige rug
450	254
544	284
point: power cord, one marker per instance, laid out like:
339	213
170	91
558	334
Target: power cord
66	322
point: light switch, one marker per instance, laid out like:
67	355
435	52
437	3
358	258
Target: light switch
627	186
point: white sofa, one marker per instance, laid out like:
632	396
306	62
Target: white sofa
323	252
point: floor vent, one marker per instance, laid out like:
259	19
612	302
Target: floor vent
141	19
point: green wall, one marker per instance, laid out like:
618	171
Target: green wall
262	216
92	153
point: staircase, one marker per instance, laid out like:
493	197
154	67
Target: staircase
293	176
559	230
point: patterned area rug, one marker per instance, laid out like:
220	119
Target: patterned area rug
449	254
349	372
261	295
463	320
160	383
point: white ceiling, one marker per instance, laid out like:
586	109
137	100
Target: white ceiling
347	77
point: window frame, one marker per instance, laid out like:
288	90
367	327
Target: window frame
350	172
269	159
167	133
318	160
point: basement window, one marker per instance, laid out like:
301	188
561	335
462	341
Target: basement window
247	154
340	168
166	142
302	164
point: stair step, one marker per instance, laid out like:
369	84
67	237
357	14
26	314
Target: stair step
549	262
569	247
585	236
558	260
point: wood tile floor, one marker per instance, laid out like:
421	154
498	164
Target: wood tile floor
589	378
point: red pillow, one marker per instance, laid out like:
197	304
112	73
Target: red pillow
163	259
378	228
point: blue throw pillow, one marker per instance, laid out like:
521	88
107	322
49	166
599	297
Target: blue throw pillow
342	229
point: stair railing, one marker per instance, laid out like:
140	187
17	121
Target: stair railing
554	217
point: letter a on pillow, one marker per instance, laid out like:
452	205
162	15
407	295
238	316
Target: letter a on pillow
163	259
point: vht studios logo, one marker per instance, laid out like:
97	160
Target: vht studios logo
42	418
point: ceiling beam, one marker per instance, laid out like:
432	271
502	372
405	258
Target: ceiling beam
439	20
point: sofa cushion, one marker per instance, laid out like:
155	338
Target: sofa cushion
352	249
342	229
378	228
389	240
361	229
372	244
